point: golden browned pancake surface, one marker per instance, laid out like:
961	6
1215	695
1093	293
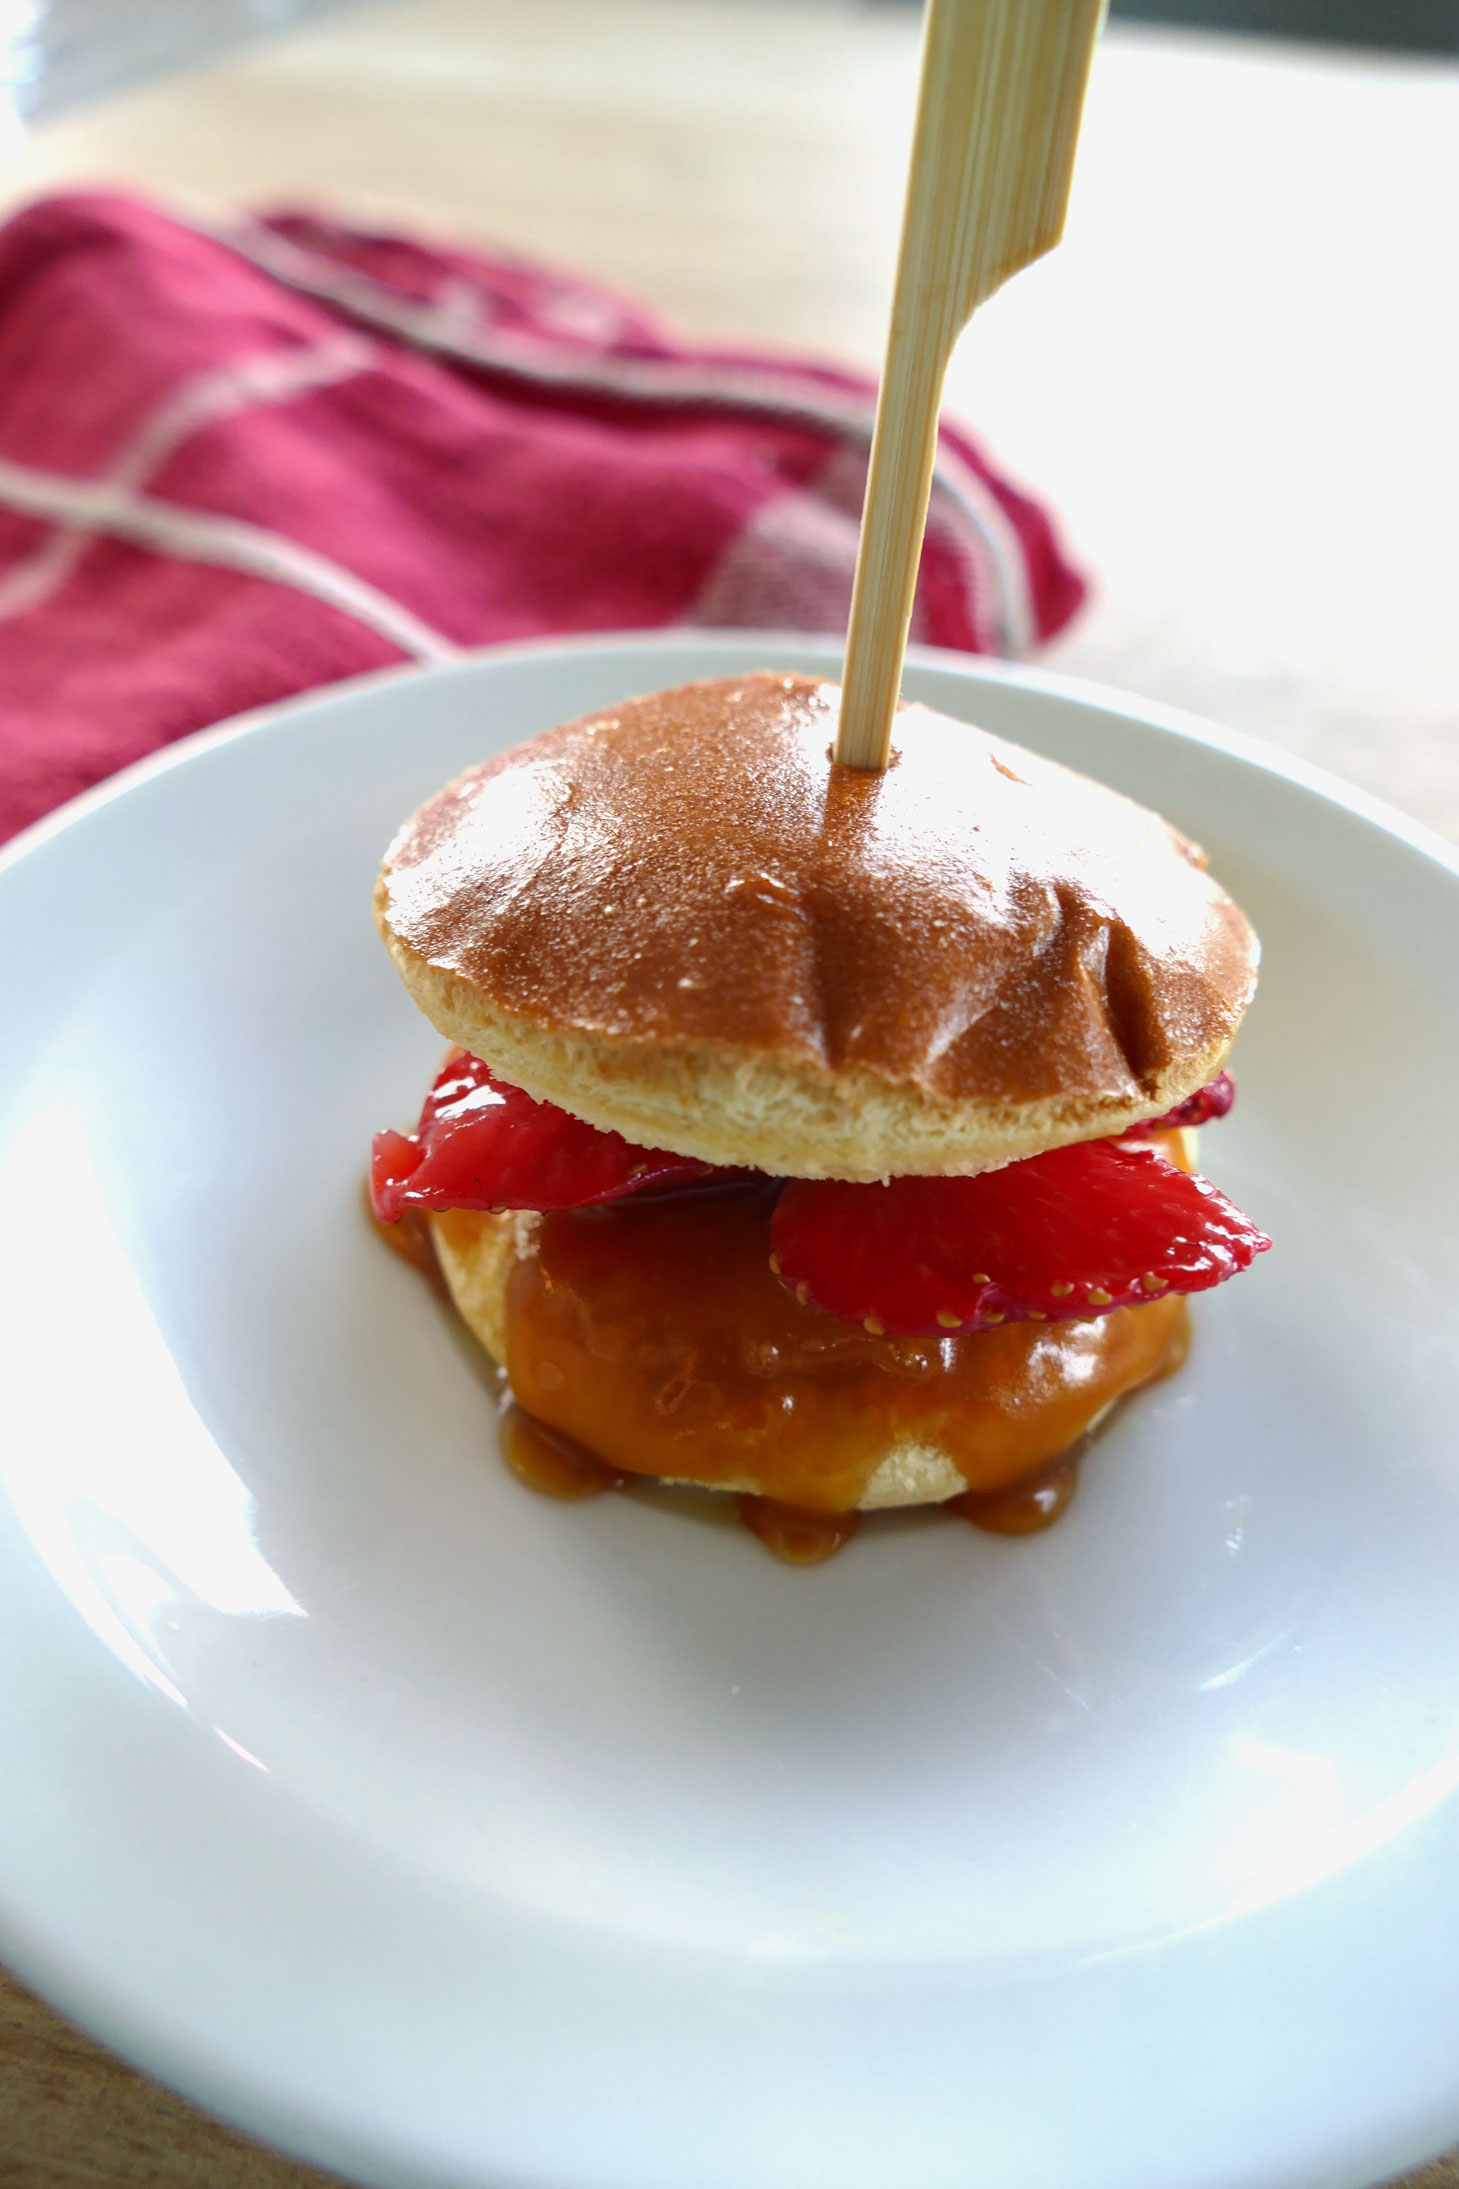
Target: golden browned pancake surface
678	919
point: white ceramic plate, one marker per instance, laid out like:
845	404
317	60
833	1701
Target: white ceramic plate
451	1836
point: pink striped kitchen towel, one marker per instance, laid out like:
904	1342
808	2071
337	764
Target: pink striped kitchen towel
241	459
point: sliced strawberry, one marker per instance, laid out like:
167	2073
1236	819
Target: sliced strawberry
1201	1108
482	1144
1072	1233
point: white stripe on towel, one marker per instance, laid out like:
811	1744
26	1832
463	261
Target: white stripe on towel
229	543
963	505
275	376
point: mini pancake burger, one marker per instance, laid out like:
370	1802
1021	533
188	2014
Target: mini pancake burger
814	1134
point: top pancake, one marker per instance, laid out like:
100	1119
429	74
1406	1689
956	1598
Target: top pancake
679	920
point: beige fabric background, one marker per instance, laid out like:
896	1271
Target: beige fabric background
1234	380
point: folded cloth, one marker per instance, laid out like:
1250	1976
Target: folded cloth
241	459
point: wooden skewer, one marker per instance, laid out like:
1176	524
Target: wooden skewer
992	157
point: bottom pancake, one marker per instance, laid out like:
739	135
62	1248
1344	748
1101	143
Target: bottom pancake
654	1333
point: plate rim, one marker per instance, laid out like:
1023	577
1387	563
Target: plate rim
1182	722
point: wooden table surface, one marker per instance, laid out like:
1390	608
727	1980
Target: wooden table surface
1234	381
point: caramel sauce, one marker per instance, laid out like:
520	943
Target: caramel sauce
791	1533
1023	1507
551	1464
412	1240
655	1332
650	1339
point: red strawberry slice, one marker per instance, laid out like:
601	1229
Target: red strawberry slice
482	1144
1201	1108
1072	1233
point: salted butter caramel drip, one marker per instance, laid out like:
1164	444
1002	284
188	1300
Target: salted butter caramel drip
411	1241
692	867
658	1336
797	1537
552	1464
1026	1507
652	1339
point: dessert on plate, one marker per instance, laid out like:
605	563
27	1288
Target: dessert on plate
815	1135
